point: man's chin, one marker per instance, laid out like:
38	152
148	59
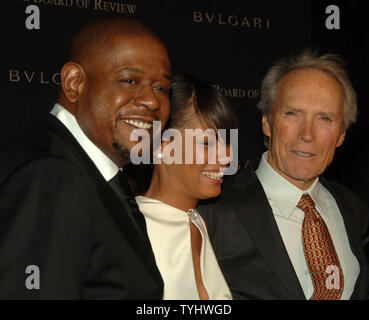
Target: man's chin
123	151
302	179
135	150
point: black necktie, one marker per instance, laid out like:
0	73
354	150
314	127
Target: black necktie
119	184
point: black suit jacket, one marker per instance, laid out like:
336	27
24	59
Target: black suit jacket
250	249
57	212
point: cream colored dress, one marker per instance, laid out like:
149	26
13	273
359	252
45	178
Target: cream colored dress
169	232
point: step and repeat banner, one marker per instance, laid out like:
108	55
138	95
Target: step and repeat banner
227	43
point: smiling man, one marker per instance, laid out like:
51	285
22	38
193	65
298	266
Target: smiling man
280	230
305	126
66	206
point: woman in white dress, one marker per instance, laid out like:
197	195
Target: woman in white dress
177	232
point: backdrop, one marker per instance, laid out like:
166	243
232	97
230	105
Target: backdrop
227	43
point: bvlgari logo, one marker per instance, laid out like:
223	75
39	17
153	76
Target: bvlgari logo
231	20
239	92
100	5
28	76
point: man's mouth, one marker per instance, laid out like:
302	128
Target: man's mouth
304	154
213	175
140	124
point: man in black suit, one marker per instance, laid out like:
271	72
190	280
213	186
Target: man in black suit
69	226
279	230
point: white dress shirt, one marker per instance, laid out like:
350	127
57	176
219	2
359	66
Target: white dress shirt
283	198
104	164
169	232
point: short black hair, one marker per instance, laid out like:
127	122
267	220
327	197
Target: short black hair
98	31
208	102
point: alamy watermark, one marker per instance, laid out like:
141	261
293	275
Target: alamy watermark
33	280
33	19
333	20
197	146
333	280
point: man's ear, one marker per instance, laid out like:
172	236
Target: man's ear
266	125
73	79
341	139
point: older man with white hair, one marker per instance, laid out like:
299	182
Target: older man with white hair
280	230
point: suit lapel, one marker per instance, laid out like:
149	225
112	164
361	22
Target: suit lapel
112	202
252	207
348	217
122	213
345	211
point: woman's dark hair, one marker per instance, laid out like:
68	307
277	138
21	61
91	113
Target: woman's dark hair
208	102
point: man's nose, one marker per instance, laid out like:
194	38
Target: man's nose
146	97
307	130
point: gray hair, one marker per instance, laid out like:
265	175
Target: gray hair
329	63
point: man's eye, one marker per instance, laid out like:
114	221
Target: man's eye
130	81
326	119
160	88
290	113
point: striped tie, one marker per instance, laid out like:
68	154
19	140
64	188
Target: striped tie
320	254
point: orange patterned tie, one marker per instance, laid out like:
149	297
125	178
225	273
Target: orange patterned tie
320	254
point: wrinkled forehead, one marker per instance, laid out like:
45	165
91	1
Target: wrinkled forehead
309	82
308	77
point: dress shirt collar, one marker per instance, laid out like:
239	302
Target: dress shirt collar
104	164
283	193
